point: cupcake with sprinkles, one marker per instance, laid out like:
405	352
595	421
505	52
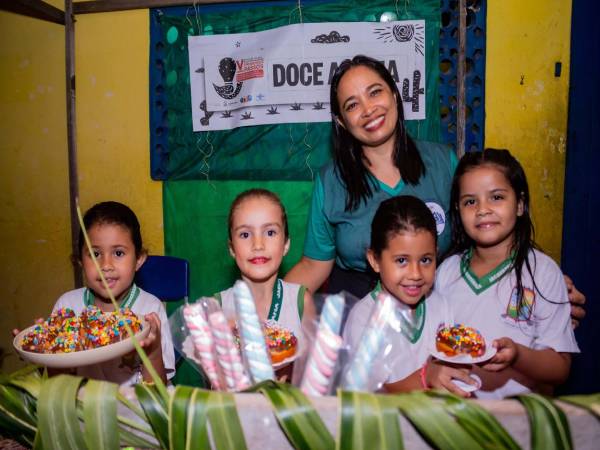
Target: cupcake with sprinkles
281	342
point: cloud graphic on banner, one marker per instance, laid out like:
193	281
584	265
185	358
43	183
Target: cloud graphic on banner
330	38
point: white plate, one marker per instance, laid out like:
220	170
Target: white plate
81	358
468	387
465	359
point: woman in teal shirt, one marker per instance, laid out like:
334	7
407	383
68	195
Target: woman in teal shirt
373	159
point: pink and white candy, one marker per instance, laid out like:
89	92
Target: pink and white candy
321	362
228	353
324	354
202	338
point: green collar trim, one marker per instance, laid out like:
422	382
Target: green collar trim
478	285
127	302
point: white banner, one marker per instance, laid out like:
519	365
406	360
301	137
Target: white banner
283	75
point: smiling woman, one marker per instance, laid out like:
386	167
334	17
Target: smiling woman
373	159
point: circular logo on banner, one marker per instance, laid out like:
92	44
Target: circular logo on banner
439	215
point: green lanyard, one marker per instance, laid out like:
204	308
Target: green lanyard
276	300
128	301
411	329
478	285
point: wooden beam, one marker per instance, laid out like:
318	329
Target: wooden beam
34	8
97	6
72	134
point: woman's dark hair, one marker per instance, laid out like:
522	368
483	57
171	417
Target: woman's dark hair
114	213
398	214
252	193
524	233
347	150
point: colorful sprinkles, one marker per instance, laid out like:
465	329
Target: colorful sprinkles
460	339
65	332
278	337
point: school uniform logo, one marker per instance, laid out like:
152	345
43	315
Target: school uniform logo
439	215
524	314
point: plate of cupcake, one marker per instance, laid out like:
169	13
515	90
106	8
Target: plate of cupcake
460	344
67	340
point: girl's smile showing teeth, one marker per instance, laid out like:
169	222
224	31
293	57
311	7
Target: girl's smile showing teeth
412	290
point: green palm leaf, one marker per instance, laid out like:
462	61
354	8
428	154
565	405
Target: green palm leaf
187	418
100	415
178	405
28	378
301	424
58	422
549	426
151	401
590	402
478	422
16	431
197	430
18	405
368	421
434	423
224	421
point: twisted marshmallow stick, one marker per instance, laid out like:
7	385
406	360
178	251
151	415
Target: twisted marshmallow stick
254	347
357	375
324	354
203	341
228	353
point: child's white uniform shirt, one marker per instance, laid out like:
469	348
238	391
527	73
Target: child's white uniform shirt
125	370
404	357
289	314
542	323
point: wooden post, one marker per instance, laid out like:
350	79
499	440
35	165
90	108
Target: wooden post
72	133
461	96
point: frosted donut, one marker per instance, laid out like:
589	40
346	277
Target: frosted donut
460	339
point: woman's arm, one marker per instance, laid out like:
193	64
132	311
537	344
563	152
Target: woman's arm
310	313
309	272
577	300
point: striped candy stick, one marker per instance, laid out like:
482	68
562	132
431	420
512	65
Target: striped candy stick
323	356
321	362
331	316
228	353
254	347
202	338
371	342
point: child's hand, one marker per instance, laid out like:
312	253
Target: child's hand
506	355
152	343
439	375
